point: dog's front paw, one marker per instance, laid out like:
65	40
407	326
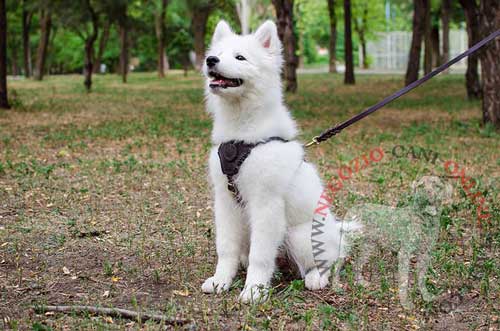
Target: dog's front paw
315	281
215	285
254	294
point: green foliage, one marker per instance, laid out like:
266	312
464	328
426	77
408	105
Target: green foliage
72	23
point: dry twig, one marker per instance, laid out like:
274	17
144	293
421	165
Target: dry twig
114	312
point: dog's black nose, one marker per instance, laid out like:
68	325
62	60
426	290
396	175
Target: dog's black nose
212	60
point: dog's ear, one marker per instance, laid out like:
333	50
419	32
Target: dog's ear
221	30
267	35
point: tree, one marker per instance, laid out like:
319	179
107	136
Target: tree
360	26
489	13
286	33
427	37
160	36
123	24
416	41
200	11
349	61
436	56
472	82
243	8
82	17
27	15
445	17
368	17
103	41
4	102
13	10
332	47
45	29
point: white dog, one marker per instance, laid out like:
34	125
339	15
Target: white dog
274	192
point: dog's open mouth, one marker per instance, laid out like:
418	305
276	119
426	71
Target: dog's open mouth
220	81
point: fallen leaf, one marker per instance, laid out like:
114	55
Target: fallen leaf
115	279
184	293
66	271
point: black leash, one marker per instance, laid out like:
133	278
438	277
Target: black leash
336	129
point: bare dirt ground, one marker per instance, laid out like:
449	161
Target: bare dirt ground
104	201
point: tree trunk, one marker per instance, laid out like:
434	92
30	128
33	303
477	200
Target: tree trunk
199	24
103	41
360	30
89	48
490	62
243	8
26	26
416	42
333	37
41	54
445	18
88	65
4	102
124	51
284	15
472	82
349	61
160	29
15	67
436	57
427	38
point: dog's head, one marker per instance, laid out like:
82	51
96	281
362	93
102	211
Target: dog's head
237	65
430	193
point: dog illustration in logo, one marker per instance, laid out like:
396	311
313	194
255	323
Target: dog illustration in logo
411	231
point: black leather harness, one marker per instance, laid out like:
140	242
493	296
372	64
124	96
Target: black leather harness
232	154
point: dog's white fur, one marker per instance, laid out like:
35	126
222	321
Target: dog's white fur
279	188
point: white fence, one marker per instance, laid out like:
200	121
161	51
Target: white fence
391	49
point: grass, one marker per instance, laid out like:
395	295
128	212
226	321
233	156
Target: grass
112	187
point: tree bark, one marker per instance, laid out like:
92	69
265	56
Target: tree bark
416	42
89	48
436	56
41	54
284	15
4	102
26	27
472	82
160	29
199	24
489	11
349	61
427	38
103	41
332	49
445	18
124	46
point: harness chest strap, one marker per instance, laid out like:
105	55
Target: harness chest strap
232	154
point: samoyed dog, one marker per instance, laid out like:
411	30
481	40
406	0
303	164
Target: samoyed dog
270	201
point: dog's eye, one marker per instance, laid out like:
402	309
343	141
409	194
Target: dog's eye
240	58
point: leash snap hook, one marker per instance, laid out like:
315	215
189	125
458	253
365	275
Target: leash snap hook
314	141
